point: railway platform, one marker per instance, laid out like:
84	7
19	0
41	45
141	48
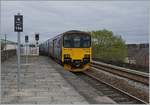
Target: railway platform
42	81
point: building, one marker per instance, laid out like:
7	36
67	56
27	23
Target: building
138	54
8	45
30	49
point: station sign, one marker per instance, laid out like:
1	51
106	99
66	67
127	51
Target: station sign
18	23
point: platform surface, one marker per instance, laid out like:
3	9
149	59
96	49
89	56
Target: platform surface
43	81
40	83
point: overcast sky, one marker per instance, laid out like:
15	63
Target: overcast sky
50	18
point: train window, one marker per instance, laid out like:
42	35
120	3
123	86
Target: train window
77	41
58	43
86	41
51	44
55	42
67	41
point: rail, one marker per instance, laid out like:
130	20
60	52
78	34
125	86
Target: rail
124	72
94	76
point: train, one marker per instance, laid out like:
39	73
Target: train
72	49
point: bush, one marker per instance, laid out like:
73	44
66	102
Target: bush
107	46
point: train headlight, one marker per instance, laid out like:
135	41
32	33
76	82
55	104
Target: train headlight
67	59
66	55
86	56
86	60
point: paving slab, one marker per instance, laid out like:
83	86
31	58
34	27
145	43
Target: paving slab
40	83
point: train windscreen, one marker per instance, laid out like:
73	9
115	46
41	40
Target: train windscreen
77	41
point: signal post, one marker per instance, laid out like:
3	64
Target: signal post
26	41
37	39
18	27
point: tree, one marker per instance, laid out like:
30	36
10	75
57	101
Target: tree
107	46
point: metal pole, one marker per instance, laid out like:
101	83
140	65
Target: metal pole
36	47
5	47
5	42
26	54
18	69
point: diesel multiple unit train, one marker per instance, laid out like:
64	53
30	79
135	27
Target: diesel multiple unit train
72	49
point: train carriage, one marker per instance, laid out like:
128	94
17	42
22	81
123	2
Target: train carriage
72	49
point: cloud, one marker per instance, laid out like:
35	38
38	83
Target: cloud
50	18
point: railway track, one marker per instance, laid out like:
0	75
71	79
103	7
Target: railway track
134	75
116	94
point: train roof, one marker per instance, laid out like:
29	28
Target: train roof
75	31
67	32
70	32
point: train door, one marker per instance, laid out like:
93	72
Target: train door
48	48
51	48
59	48
54	48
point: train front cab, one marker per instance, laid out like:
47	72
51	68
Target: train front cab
77	58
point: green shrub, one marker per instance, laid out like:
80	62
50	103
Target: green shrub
107	46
